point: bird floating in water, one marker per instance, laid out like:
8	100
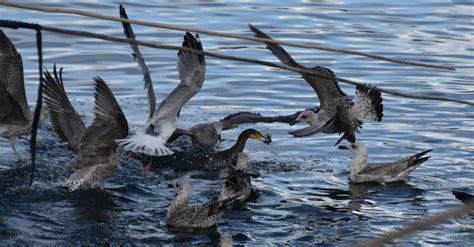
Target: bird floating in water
182	215
237	180
15	115
336	113
222	158
95	147
362	171
207	135
152	138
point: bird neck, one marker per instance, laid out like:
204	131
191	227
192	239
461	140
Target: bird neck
359	161
180	202
240	144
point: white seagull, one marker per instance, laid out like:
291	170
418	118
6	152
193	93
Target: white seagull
152	138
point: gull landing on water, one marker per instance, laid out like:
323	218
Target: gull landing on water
337	113
152	138
95	147
362	171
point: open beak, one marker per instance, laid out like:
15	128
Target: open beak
343	147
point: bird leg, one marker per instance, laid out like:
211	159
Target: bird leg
127	155
13	142
147	167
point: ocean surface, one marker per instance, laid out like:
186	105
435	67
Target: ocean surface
304	195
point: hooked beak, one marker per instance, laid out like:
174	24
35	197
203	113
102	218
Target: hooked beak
343	147
170	186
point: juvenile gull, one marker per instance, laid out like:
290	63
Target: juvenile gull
207	135
15	115
66	122
181	214
362	171
152	138
336	113
96	158
237	181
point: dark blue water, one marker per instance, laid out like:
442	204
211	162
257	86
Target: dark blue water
304	195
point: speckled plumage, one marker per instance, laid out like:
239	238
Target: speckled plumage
66	122
336	113
362	171
96	158
15	115
181	214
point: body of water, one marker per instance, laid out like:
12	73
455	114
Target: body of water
304	194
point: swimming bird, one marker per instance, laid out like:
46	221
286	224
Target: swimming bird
152	138
207	135
15	115
96	158
336	113
362	171
181	214
463	196
66	122
217	160
237	180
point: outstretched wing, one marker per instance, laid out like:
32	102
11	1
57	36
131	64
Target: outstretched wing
368	105
67	124
98	143
328	90
11	73
192	68
137	55
235	119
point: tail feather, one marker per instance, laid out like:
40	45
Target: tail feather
144	143
417	159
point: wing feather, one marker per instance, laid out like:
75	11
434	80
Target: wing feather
11	73
98	143
137	55
67	123
328	90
